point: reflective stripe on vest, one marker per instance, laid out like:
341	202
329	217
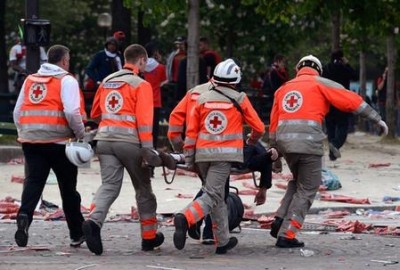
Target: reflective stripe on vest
299	122
119	130
227	137
129	118
42	113
220	150
175	128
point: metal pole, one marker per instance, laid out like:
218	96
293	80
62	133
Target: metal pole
32	52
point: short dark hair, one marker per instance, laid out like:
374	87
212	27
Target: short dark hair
203	39
279	57
337	55
133	52
56	53
151	48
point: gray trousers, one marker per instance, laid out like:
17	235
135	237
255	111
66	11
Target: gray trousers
114	158
301	191
213	198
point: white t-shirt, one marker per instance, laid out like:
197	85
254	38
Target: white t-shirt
18	53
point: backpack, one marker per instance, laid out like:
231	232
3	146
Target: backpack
235	209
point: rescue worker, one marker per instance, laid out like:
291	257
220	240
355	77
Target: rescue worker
258	160
124	107
296	129
48	114
214	140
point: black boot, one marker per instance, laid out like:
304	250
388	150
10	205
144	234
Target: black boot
275	227
284	242
194	230
21	235
181	227
231	244
150	244
92	235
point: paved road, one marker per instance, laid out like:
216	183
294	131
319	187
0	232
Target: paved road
256	250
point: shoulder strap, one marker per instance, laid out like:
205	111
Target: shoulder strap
235	103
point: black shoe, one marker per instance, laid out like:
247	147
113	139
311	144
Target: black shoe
181	227
334	152
284	242
77	242
21	235
167	160
194	231
231	244
150	244
275	227
92	235
208	241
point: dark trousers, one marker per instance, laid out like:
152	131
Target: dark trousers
337	131
156	126
39	159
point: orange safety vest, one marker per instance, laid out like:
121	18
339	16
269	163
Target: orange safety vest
179	114
42	118
124	101
215	129
300	106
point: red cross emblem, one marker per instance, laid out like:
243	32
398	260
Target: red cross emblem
292	101
216	122
114	101
37	92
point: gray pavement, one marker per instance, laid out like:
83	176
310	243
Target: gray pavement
329	250
255	250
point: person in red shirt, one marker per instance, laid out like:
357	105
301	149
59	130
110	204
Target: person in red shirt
212	58
175	58
155	74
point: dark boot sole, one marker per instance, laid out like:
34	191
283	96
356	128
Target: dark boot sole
230	245
180	231
93	242
21	235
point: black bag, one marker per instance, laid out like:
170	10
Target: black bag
235	210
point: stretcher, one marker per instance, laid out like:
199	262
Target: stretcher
234	171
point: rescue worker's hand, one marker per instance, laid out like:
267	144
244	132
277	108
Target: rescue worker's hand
384	127
178	146
189	161
274	153
261	196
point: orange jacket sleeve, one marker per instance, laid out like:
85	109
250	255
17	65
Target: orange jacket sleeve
144	113
95	113
253	120
177	121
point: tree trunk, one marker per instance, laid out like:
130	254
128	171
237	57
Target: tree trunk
3	50
192	69
390	98
335	29
363	86
121	19
144	33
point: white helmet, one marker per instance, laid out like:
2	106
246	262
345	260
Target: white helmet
227	72
78	153
310	61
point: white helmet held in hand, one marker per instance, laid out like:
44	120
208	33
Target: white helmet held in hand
227	72
79	153
310	61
